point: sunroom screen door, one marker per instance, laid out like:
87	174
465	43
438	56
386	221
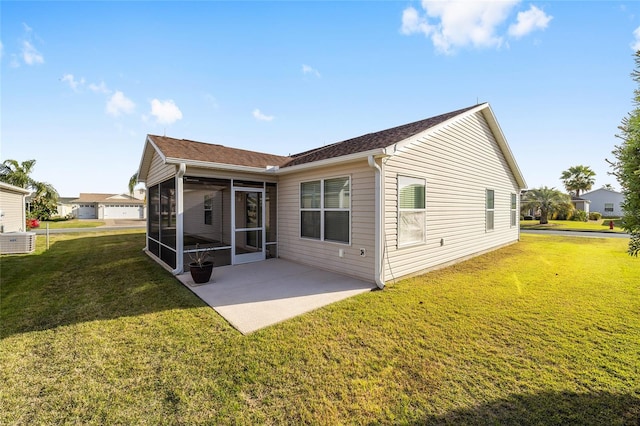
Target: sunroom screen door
248	235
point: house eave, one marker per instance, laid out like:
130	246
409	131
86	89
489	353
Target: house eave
333	161
219	166
13	188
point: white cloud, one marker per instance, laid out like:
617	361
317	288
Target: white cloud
72	82
99	88
30	54
262	117
119	104
165	112
636	42
306	69
454	24
529	21
412	23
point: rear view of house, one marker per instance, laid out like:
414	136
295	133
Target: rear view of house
376	207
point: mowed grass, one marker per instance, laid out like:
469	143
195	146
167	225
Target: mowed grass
546	331
601	225
71	223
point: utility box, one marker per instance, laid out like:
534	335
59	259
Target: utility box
17	242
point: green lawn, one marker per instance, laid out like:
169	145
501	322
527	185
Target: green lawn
601	225
546	331
71	223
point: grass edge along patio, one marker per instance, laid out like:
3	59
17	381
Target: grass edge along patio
377	207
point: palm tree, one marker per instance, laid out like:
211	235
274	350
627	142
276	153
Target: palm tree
44	197
17	174
548	200
133	180
578	178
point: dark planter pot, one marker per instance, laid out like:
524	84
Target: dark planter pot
201	274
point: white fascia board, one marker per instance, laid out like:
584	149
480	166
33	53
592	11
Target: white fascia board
332	161
487	112
14	188
418	137
504	145
218	166
146	151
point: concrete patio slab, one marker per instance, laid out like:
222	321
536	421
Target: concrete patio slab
255	295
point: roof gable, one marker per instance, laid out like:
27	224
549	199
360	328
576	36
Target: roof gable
371	141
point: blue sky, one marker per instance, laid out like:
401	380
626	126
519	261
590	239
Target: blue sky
82	83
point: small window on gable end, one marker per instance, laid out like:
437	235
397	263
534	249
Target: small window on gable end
490	209
412	213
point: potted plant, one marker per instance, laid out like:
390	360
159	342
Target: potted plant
201	266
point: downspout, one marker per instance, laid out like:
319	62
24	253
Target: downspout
182	168
378	224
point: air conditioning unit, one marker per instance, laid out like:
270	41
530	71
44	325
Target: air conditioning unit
17	242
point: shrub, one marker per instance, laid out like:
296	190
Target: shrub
579	216
595	216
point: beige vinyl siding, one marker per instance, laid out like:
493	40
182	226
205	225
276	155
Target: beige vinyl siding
194	215
459	162
325	254
158	171
12	206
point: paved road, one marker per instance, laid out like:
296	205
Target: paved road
587	234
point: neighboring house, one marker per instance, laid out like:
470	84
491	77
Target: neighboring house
606	201
377	207
580	203
108	206
12	211
64	206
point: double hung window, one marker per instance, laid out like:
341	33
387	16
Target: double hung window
411	210
514	208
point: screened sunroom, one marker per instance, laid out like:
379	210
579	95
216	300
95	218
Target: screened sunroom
234	220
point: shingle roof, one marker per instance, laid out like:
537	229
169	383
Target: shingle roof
86	197
200	151
372	141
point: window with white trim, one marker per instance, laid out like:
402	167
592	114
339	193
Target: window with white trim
325	209
490	209
412	212
208	209
608	207
514	212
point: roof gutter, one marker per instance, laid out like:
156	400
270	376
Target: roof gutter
182	168
378	275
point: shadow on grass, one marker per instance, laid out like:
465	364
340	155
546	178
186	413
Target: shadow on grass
85	278
549	408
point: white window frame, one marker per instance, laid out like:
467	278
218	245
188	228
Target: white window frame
490	212
322	210
400	242
608	209
208	208
514	210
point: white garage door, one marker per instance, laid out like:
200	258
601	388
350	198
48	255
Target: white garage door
87	211
121	211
